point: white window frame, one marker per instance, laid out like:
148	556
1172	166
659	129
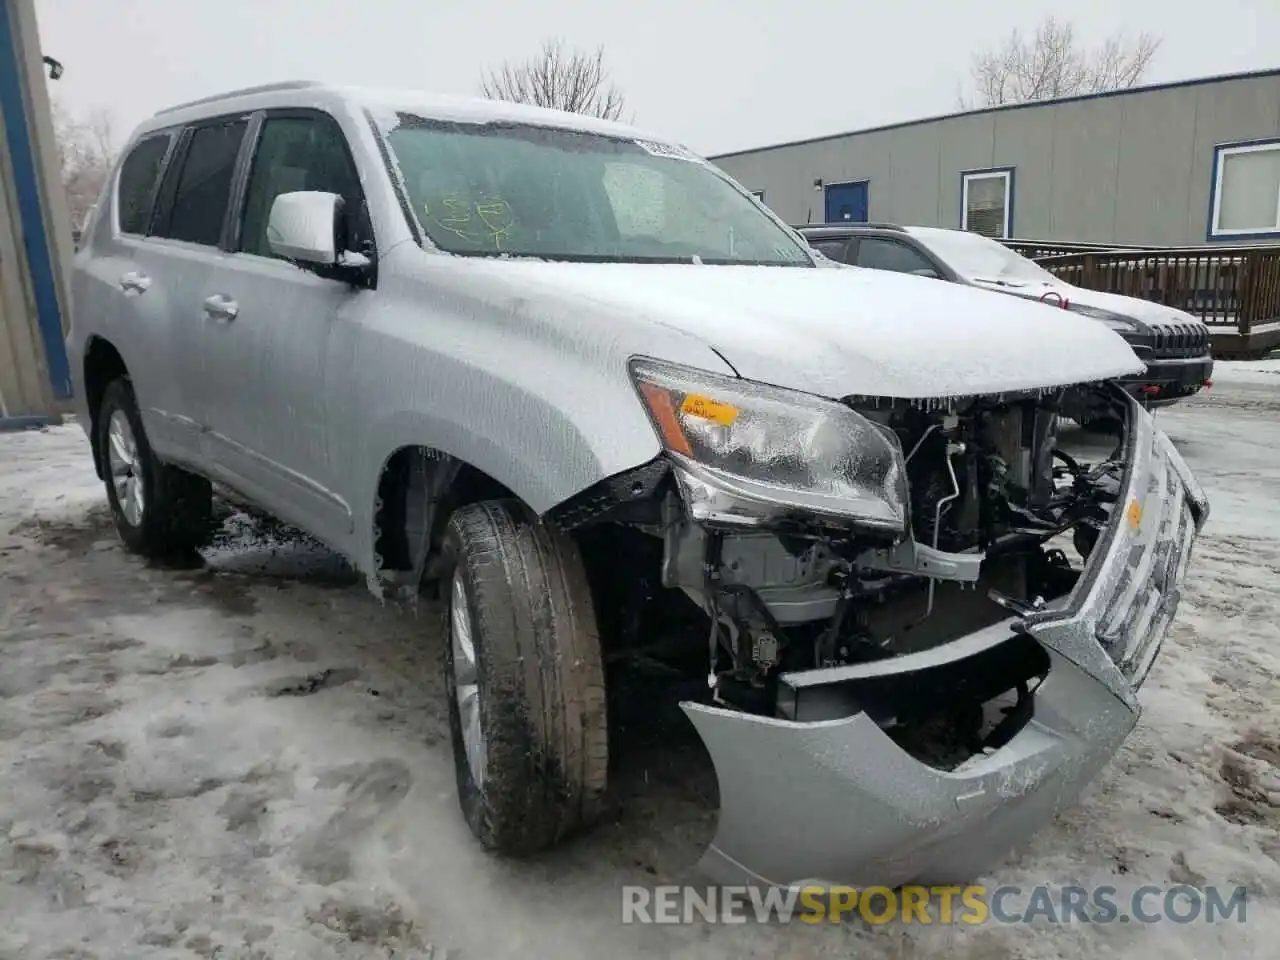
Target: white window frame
1004	173
1220	154
758	194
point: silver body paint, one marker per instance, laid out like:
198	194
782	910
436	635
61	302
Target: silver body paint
299	400
298	397
836	801
517	368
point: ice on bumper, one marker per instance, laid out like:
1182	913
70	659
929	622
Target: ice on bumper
837	800
1148	560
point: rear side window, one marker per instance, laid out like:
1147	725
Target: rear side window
204	183
890	255
139	175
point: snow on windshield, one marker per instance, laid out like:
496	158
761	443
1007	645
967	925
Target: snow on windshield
980	258
501	187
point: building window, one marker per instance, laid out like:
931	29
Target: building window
758	194
1246	190
986	202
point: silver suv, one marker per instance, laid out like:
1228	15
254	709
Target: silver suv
582	384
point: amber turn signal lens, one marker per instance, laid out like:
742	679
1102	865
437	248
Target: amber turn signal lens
662	408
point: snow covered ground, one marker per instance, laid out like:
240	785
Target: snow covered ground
1256	372
250	759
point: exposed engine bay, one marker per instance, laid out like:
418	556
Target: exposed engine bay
992	509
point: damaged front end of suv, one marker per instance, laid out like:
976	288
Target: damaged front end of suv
925	622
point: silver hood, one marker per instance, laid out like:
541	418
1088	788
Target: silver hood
841	332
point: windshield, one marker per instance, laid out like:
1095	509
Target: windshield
980	258
505	188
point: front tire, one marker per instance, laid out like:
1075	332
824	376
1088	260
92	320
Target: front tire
159	510
525	679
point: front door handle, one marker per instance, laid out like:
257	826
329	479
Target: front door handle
134	282
221	307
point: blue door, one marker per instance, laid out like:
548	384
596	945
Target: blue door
847	202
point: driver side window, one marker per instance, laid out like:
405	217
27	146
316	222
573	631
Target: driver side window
890	255
832	249
300	153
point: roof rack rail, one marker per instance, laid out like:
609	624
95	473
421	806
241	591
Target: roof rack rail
244	92
851	225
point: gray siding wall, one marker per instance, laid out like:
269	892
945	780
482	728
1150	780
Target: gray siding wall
1128	168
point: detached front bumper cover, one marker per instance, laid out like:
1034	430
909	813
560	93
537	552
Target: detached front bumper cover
837	801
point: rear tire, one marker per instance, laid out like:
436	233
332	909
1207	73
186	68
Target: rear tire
160	511
525	679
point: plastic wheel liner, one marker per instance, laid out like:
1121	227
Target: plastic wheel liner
836	801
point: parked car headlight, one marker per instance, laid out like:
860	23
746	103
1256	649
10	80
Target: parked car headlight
1115	321
748	453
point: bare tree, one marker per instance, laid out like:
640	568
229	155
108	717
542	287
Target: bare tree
558	78
1052	63
86	152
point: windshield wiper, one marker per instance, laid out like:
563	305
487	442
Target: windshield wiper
624	258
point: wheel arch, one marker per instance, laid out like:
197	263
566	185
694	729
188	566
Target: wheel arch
418	487
416	453
103	363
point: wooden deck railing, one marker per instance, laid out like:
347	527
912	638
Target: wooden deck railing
1236	289
1035	249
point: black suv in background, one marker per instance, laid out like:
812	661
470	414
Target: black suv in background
1174	344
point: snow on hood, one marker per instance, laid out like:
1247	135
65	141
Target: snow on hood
1144	311
850	331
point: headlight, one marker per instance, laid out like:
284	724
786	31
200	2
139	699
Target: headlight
749	453
1113	320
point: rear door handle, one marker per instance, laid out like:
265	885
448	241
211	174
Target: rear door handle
221	307
134	282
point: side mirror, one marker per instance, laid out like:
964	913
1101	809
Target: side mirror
926	272
309	227
304	226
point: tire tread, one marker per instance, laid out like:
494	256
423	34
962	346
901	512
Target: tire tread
537	639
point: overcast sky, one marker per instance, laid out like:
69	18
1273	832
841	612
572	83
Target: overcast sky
718	75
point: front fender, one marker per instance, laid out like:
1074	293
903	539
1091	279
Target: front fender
499	366
542	452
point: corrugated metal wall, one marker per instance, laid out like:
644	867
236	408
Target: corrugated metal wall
24	380
1124	168
35	235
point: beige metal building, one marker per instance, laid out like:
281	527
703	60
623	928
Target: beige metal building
1176	164
35	232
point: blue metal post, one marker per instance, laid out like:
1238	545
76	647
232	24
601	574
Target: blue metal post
35	236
